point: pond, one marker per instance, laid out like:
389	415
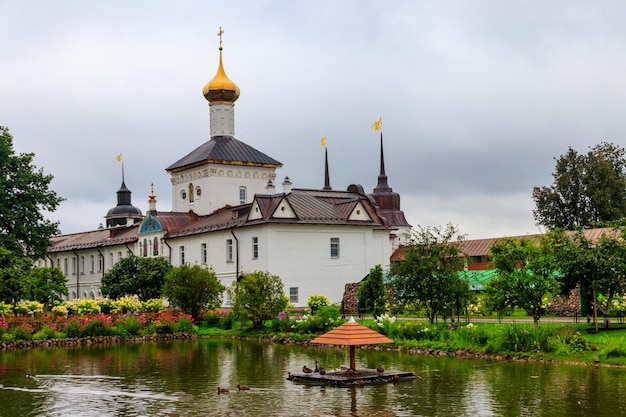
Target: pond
181	378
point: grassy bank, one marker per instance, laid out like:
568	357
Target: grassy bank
550	341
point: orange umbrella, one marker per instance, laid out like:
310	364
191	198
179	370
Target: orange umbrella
352	334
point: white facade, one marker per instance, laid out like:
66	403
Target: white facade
207	188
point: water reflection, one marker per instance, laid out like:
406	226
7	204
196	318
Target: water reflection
181	379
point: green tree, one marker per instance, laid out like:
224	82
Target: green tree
588	189
372	293
135	275
13	276
24	195
193	289
526	272
46	285
429	273
595	264
258	296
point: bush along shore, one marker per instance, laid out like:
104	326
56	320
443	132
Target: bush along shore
555	342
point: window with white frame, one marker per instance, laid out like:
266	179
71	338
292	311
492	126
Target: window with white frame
255	248
334	247
182	255
203	253
229	250
111	259
93	263
100	263
293	295
242	195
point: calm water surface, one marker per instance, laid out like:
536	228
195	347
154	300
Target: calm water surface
181	379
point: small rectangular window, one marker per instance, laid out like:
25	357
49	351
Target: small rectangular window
100	263
73	265
93	264
203	253
242	195
255	248
229	250
182	255
293	295
111	259
334	247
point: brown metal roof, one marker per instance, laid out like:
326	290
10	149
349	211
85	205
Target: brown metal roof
352	334
482	247
96	238
224	150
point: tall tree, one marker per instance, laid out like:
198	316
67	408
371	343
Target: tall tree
24	195
46	285
525	273
372	293
587	190
193	289
133	275
13	276
429	273
258	296
595	265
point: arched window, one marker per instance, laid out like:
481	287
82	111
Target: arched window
145	247
155	247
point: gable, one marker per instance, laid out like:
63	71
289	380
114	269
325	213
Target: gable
284	211
255	211
359	213
150	225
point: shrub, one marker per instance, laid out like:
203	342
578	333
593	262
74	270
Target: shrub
5	309
71	306
106	305
165	323
126	305
316	301
130	324
100	325
47	332
578	343
226	322
74	327
88	307
385	323
59	311
282	322
185	325
23	331
153	305
329	317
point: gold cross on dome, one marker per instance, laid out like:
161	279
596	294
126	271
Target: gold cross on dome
220	33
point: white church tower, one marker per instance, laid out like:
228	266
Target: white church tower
223	171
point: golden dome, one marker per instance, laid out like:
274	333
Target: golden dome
221	88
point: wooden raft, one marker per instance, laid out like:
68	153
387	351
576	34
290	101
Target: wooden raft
339	378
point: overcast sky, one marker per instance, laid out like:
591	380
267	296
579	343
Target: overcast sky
477	98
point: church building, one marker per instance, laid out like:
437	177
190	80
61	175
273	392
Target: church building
229	215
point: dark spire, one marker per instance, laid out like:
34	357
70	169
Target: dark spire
382	178
326	175
387	200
